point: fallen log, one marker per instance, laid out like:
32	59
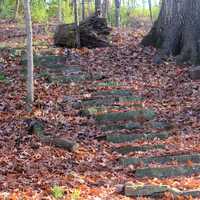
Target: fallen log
93	33
37	129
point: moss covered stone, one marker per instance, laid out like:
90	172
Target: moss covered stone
195	158
129	148
120	138
130	115
167	171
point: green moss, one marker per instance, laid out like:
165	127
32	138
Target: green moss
2	77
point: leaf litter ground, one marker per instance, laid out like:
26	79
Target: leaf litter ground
30	168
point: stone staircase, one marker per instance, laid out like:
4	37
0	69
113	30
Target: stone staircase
122	119
129	128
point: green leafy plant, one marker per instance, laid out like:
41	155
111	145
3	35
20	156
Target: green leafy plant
57	192
75	194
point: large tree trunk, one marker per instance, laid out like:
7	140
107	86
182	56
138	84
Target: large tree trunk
93	33
177	30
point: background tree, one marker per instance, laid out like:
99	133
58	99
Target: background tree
83	9
17	8
150	10
97	6
177	30
60	11
117	13
30	85
76	20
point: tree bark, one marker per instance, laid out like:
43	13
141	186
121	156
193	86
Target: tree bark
76	20
60	11
176	32
30	85
97	7
83	9
117	13
105	8
17	8
150	10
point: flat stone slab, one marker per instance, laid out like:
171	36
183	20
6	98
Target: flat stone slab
136	190
110	84
194	73
45	60
195	158
106	101
167	172
129	149
160	125
135	125
120	138
113	93
156	191
128	126
130	115
92	111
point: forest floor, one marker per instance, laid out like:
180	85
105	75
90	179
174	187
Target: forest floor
30	169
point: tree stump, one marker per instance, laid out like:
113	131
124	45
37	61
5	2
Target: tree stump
93	33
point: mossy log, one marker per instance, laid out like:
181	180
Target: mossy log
194	158
93	33
167	172
37	129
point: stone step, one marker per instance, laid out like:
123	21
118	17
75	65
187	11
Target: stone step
127	126
194	158
106	101
161	125
167	172
120	138
56	68
135	125
130	115
157	191
129	149
45	59
92	111
113	93
110	84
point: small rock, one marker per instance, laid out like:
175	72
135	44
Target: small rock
119	188
194	73
157	60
